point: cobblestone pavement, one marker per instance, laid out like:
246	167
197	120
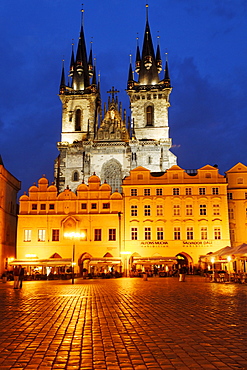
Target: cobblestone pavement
123	324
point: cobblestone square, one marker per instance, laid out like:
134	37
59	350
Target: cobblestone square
125	324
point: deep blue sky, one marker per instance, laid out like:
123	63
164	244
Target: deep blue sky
206	42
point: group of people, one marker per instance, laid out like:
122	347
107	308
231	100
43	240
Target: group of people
18	273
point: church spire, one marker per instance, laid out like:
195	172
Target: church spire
62	83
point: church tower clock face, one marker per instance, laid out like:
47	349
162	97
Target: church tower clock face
104	143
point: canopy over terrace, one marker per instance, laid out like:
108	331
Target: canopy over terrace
49	262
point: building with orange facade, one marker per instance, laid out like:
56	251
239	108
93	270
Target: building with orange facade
9	187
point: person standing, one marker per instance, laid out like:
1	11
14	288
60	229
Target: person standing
16	274
21	276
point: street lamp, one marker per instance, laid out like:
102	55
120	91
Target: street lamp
73	236
229	264
212	260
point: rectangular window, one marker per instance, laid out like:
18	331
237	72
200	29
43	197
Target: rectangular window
231	213
189	233
217	233
43	207
41	235
245	212
112	234
232	235
97	234
202	191
106	205
34	207
147	192
204	233
245	195
94	206
175	191
159	210
160	233
147	232
133	211
27	235
189	210
215	191
188	191
51	206
83	205
203	209
176	210
83	233
133	192
55	235
177	235
134	233
147	210
216	209
159	191
229	195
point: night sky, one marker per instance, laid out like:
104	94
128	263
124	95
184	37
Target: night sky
207	53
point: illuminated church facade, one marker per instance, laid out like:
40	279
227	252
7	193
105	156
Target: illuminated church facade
107	143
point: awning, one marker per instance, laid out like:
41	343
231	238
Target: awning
42	262
154	259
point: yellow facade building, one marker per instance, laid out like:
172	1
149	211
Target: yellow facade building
237	203
9	187
175	214
46	217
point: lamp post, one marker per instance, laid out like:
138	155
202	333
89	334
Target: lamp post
73	236
212	261
229	265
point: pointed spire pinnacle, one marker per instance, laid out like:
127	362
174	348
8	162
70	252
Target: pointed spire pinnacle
167	80
90	61
62	83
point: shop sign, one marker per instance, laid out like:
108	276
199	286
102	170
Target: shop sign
156	243
200	243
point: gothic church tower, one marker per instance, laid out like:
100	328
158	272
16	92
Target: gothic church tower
109	146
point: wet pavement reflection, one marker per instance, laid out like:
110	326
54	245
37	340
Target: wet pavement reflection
123	323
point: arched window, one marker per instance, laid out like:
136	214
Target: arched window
150	115
75	176
78	120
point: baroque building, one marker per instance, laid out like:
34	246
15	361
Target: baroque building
112	145
9	187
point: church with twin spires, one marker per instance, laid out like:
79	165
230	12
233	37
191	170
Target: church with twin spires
106	142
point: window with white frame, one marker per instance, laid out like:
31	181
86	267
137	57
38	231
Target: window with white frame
147	233
112	234
176	210
202	191
231	213
159	210
217	233
160	233
189	233
147	192
216	209
159	191
232	235
204	233
147	210
175	191
27	235
134	233
177	233
215	191
189	210
55	235
229	196
203	209
188	191
97	234
133	192
133	210
41	235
